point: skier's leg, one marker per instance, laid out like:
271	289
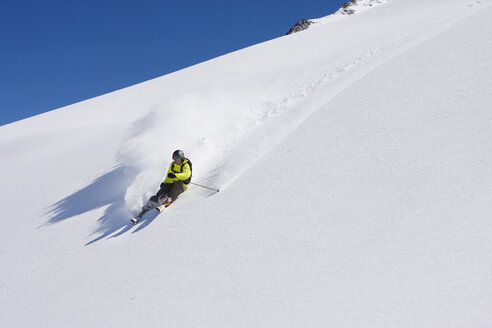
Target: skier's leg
177	189
151	203
159	197
163	193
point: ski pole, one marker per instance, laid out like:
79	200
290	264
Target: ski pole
196	184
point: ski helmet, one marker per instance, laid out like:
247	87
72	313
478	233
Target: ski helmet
178	156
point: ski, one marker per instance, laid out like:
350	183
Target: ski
159	208
136	219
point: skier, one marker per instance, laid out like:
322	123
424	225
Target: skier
176	182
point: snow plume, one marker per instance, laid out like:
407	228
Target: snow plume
206	126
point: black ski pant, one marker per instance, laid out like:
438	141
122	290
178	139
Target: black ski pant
172	190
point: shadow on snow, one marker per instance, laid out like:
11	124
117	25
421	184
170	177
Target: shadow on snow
108	189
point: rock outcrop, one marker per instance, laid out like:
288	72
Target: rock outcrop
300	26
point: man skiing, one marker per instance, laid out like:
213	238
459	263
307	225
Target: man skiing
176	182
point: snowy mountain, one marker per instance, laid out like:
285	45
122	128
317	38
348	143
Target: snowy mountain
355	177
349	8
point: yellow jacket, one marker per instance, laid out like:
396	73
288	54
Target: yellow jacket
182	172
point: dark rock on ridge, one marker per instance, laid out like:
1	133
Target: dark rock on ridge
300	26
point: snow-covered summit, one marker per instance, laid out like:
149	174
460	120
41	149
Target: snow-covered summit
356	6
349	8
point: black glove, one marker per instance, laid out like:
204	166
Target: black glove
171	176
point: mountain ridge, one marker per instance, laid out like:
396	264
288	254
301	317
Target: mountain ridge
349	8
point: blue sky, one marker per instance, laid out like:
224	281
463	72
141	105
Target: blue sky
56	53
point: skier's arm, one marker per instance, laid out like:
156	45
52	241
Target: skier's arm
185	174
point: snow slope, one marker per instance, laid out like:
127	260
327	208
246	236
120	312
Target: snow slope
354	163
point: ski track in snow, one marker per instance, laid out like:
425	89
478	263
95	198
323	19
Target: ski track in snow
331	74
